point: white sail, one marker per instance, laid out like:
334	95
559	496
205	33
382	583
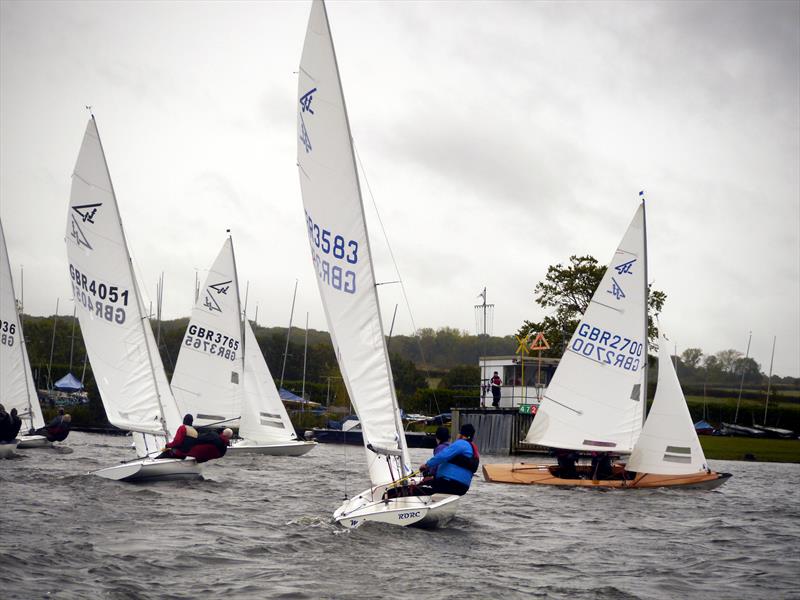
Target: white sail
596	398
264	418
668	444
208	374
340	251
117	335
17	389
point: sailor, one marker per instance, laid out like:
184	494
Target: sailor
566	463
496	384
185	438
16	423
56	430
5	425
601	465
442	442
455	465
211	445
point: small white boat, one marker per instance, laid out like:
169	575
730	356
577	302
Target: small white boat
117	333
296	448
150	469
427	512
340	251
7	449
221	375
33	441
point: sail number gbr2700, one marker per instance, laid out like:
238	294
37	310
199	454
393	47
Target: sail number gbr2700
332	255
606	347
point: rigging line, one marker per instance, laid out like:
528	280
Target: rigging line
396	268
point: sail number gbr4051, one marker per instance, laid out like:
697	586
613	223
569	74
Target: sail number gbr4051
106	301
607	347
332	255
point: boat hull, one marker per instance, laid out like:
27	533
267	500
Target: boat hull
34	441
149	469
542	474
7	449
427	512
288	449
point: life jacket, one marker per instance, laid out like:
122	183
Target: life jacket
470	463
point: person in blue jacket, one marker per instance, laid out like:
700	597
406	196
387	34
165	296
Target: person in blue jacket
454	465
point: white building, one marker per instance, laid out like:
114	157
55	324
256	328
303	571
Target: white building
523	382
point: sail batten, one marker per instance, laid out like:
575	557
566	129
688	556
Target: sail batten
116	332
592	402
340	251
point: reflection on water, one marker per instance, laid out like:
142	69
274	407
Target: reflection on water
260	527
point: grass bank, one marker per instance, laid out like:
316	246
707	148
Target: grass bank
736	448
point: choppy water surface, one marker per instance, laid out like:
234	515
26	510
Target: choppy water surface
259	527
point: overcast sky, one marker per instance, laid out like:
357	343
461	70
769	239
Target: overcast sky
497	138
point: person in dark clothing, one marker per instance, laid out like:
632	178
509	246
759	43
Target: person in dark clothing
456	465
211	445
185	438
601	465
442	442
56	430
496	383
5	425
566	464
16	423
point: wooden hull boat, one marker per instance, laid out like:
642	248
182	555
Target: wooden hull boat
297	448
542	474
426	512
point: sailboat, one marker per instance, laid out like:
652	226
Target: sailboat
596	400
340	251
117	334
17	389
221	374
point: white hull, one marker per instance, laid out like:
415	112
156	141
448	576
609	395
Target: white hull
7	449
150	469
286	449
33	441
418	511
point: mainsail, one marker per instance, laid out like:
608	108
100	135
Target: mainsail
597	396
16	381
668	444
264	418
340	252
208	374
117	335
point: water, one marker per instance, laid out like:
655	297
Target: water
259	527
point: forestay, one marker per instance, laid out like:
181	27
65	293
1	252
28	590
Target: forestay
340	251
596	398
208	374
16	381
264	418
668	444
117	335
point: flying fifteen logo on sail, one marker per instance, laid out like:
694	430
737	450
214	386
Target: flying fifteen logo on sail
86	213
616	290
625	268
305	106
220	288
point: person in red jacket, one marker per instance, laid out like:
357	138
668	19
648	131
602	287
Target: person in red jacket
210	445
185	438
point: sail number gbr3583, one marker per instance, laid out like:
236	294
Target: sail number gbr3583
333	254
106	301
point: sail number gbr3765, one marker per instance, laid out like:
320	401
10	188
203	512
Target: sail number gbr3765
332	254
105	301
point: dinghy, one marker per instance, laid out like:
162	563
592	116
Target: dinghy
596	400
17	389
117	334
221	374
337	233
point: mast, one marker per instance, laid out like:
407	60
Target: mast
398	424
769	380
136	292
741	383
288	333
239	311
52	347
646	312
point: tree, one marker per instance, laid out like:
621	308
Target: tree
691	357
727	360
569	289
461	377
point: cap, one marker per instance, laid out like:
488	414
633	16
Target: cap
188	419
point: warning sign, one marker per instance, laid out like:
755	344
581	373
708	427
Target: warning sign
539	343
